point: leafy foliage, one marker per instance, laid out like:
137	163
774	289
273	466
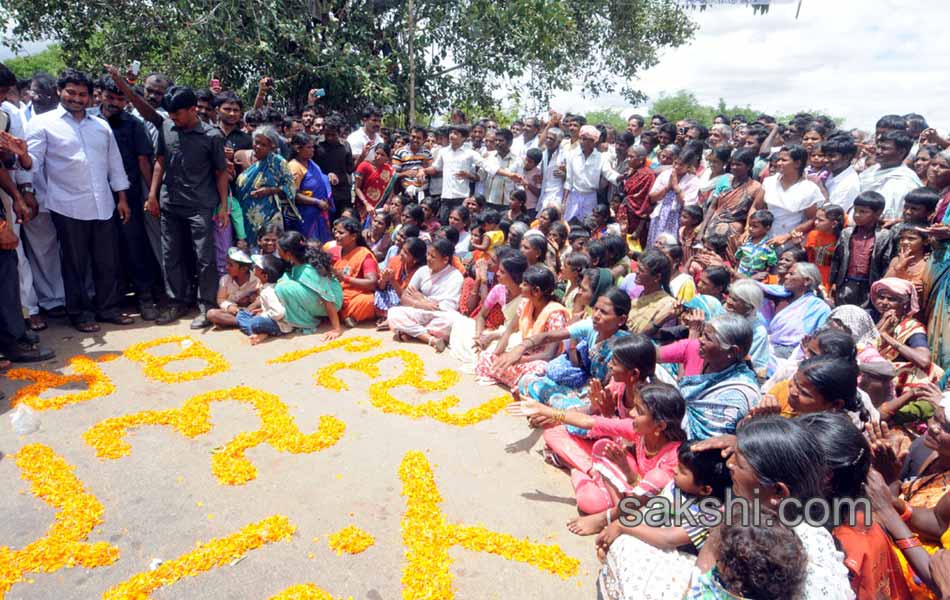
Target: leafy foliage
684	105
49	61
358	49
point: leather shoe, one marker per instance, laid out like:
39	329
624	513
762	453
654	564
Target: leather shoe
169	315
148	311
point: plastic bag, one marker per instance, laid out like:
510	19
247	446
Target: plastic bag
23	420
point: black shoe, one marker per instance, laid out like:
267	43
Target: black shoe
200	322
149	311
26	352
57	312
170	315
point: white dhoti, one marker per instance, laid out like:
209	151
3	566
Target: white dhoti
579	205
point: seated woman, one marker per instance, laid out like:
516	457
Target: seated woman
428	306
745	299
357	269
379	235
826	384
903	339
395	278
568	376
534	247
771	459
727	389
308	289
237	288
499	308
805	313
459	220
538	313
653	275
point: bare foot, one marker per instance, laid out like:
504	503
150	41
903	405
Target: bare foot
257	338
437	343
400	337
587	524
382	325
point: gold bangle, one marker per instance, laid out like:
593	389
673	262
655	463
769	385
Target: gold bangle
559	417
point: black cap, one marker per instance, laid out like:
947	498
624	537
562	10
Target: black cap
179	97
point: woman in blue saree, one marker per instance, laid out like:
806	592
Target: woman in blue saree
804	314
265	186
937	293
314	200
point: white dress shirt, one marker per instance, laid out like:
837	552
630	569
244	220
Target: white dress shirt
358	140
21	176
451	161
584	172
82	164
552	184
498	188
843	188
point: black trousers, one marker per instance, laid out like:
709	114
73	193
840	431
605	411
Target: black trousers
137	257
446	206
12	326
83	245
185	229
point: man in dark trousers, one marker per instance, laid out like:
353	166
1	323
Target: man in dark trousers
190	189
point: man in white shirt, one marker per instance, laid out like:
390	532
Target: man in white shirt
456	164
584	170
890	177
83	169
844	185
528	138
367	134
39	235
635	127
502	171
552	165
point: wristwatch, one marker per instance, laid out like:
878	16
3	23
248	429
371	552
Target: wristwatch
26	188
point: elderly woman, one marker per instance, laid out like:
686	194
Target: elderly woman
792	199
903	339
727	389
265	185
428	306
804	313
745	299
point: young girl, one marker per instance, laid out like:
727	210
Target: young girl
237	288
395	277
431	212
690	220
516	207
265	317
823	239
572	270
267	237
672	190
602	223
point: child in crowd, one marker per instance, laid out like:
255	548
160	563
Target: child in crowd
919	206
601	223
267	236
404	233
430	209
517	207
489	236
822	240
682	284
531	179
756	256
691	217
557	241
863	252
577	238
236	289
572	269
395	277
265	317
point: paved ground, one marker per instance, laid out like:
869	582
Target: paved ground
163	498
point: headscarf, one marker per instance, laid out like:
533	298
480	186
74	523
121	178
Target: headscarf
710	305
899	287
605	279
858	322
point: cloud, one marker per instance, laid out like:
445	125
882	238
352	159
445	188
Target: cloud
858	59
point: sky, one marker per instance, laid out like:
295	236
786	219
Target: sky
857	59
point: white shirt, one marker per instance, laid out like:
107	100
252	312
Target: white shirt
552	184
584	172
442	287
435	181
448	163
893	183
520	147
843	188
81	161
788	206
358	140
272	308
20	175
497	188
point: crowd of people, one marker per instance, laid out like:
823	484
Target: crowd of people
687	310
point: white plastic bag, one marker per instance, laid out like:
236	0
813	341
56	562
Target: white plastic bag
23	420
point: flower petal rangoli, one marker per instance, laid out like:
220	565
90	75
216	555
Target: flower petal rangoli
51	479
229	465
85	370
155	365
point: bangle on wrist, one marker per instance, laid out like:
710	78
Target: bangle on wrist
908	543
908	512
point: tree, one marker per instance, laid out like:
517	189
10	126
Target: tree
464	51
684	105
609	117
48	61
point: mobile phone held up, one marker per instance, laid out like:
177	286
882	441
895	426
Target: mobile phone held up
318	93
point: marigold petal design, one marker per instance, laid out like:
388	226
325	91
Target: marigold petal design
229	465
427	538
85	370
52	480
154	366
350	539
205	557
306	591
413	375
359	343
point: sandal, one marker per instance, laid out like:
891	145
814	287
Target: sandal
552	459
88	327
37	322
